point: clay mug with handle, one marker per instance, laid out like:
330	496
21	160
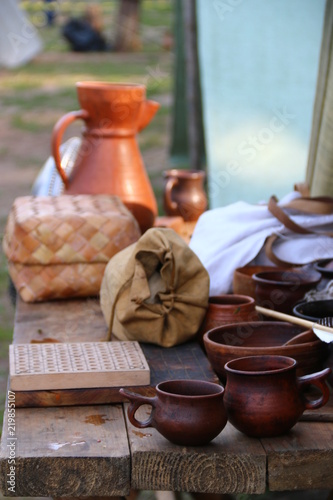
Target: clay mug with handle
184	194
186	412
264	397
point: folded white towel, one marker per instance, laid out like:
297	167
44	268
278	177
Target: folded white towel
233	236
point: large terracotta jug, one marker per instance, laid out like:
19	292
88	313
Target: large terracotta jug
109	160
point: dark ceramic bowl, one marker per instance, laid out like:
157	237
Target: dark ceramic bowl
262	338
325	267
281	290
314	310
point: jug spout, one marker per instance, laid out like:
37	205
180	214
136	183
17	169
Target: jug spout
147	113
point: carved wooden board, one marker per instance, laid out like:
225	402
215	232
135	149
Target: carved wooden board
76	365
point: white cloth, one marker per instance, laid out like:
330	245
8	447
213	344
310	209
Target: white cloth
19	39
233	236
48	181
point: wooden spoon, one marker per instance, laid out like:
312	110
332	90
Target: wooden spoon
323	332
302	338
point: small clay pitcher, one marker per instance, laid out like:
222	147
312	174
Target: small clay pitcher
227	309
264	397
184	193
186	412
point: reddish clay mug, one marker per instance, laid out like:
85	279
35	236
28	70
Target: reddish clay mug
184	193
227	309
186	412
264	397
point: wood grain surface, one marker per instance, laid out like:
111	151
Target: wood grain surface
92	450
186	361
230	463
77	451
61	321
302	459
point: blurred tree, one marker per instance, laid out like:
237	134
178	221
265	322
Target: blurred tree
128	26
187	149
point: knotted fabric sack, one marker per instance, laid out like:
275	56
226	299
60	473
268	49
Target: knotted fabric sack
241	234
156	290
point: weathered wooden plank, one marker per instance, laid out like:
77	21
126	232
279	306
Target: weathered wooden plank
77	451
63	321
82	320
302	459
323	414
185	361
231	463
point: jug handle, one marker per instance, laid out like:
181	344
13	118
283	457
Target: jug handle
137	400
319	380
171	183
148	110
57	134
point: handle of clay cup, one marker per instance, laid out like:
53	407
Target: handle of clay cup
170	184
319	380
137	400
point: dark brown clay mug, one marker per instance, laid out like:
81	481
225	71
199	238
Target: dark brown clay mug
264	397
184	193
186	412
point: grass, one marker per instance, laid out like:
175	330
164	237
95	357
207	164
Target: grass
34	96
47	75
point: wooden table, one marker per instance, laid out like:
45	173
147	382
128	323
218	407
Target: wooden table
92	450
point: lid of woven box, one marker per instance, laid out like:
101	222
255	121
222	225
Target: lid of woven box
68	229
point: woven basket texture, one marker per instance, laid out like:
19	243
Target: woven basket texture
58	247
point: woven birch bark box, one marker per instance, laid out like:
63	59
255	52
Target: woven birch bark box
59	246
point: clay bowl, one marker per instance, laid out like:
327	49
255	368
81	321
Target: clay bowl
281	290
229	342
242	279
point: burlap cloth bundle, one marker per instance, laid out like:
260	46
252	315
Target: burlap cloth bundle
156	290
